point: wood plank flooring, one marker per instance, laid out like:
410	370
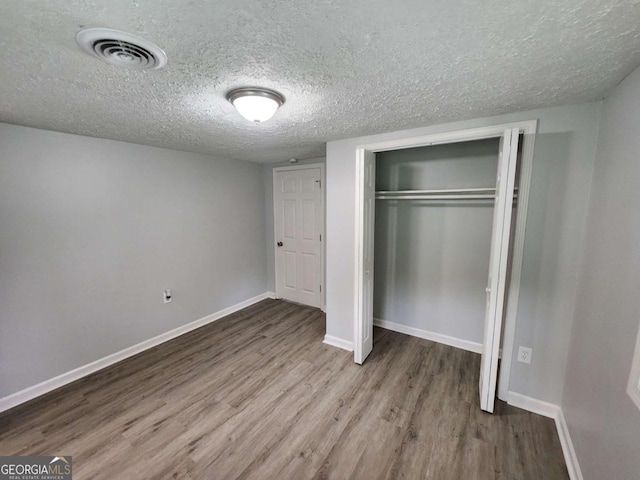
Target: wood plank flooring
257	395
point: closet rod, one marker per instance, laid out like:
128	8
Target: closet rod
436	197
440	197
433	192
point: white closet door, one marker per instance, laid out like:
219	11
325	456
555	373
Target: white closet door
505	183
363	341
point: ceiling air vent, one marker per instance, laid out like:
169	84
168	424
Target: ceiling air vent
121	48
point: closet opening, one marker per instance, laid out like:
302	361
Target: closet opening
440	249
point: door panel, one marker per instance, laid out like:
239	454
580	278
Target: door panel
308	220
298	222
288	185
290	270
496	284
307	184
308	272
363	341
289	219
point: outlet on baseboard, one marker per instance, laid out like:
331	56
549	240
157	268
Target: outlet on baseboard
167	296
524	355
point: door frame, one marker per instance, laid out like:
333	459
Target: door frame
323	242
528	129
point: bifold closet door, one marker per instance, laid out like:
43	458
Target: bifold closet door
496	285
363	336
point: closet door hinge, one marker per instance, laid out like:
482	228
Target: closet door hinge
320	237
320	288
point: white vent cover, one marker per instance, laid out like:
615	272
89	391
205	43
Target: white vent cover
121	48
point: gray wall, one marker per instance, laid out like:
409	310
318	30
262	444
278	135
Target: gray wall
267	177
92	231
563	162
603	422
432	258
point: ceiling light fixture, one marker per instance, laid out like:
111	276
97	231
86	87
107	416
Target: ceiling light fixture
255	104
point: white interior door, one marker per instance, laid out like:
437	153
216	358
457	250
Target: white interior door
298	222
505	184
363	336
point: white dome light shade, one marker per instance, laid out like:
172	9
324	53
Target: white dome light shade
256	109
255	104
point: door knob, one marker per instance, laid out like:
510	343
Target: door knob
280	244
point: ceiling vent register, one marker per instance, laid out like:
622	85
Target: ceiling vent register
121	48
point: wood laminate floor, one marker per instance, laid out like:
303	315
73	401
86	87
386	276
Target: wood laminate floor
257	395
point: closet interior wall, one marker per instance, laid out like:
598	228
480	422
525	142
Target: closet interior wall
432	257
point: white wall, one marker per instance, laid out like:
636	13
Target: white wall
603	422
92	231
432	258
564	155
267	177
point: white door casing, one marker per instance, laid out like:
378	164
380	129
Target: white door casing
298	228
363	334
496	284
528	129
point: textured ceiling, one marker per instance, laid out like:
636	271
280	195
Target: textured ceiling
346	68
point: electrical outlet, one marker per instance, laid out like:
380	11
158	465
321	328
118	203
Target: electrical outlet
524	355
167	296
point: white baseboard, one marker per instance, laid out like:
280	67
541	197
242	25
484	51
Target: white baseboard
435	337
338	342
568	450
552	411
533	405
271	295
34	391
